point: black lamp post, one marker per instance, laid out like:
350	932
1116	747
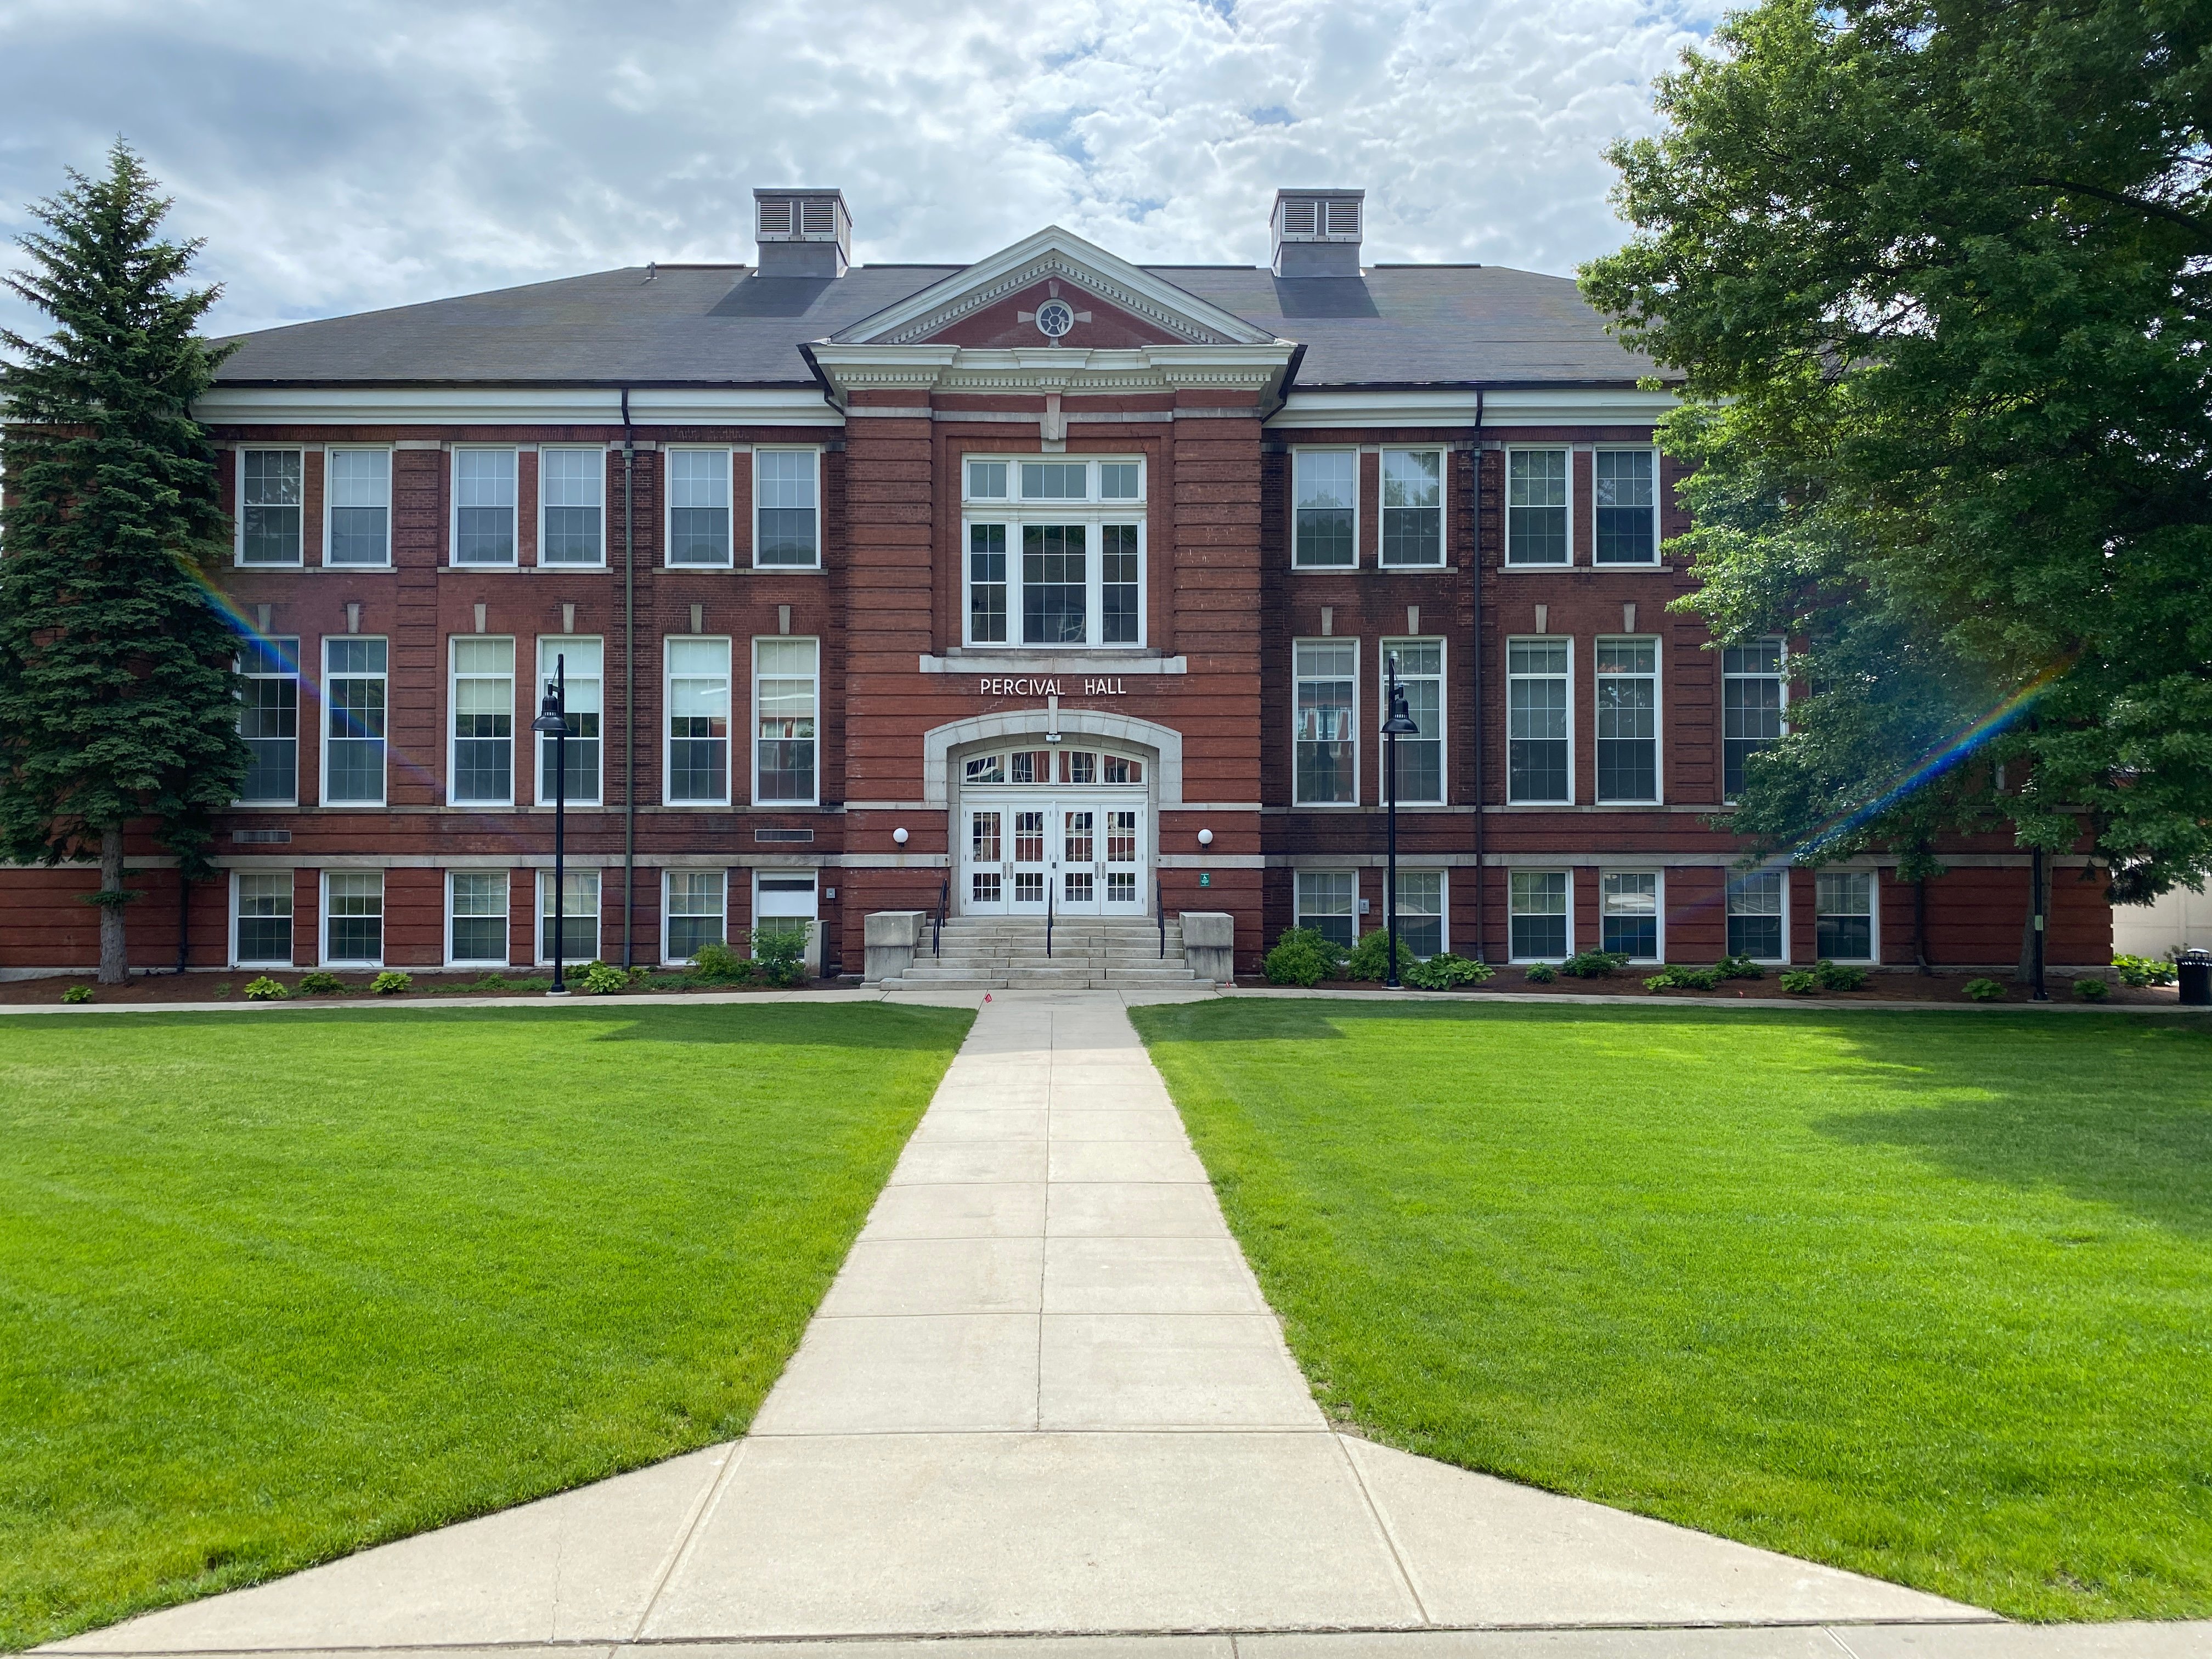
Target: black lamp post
552	722
1400	724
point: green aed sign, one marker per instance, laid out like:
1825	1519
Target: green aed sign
1206	879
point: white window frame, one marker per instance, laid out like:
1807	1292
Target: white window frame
1093	513
453	560
1443	711
598	451
1873	958
814	922
323	719
730	723
323	919
1442	873
454	644
238	529
540	882
391	464
541	746
814	451
506	920
1567	872
1657	493
1781	677
1358	734
1658	796
1383	510
753	717
1511	563
667	913
729	455
1352	450
1729	878
1658	874
230	944
1298	912
260	647
1567	639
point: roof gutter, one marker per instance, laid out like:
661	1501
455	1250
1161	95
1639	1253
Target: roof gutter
1289	377
828	392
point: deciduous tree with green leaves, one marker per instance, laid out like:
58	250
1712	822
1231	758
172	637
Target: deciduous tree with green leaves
1937	275
117	701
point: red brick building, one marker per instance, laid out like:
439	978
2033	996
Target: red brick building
1047	581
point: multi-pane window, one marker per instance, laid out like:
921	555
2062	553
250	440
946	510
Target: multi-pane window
1628	720
1843	914
269	494
1420	665
579	929
1755	905
358	503
1044	568
1329	903
484	506
1536	915
353	916
1536	507
698	507
571	494
262	928
1628	913
353	708
1627	506
787	694
986	583
694	913
1536	721
483	722
268	720
476	918
1324	507
786	904
579	663
787	508
1325	766
1751	700
698	722
1421	911
1412	506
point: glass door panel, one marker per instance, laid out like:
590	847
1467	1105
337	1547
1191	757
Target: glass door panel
1121	867
986	853
1079	841
1027	867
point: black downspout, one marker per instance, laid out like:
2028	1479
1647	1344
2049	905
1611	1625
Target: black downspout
629	680
1481	893
183	917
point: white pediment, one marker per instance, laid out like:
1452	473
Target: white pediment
1054	253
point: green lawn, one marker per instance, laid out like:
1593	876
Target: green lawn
1924	1295
276	1286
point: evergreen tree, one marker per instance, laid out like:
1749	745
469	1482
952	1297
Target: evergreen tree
116	703
1939	275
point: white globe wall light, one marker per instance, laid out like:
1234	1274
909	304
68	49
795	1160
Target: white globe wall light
899	835
1206	838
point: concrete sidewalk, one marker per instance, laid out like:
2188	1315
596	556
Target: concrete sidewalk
1044	1398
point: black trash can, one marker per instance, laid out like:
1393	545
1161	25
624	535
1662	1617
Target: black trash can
2195	975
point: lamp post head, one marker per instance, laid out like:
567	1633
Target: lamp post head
549	723
1400	723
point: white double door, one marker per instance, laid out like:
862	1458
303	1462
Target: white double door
1021	854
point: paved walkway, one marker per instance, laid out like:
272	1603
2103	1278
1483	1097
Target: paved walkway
1044	1397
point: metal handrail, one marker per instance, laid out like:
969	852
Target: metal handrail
1160	909
937	922
1047	918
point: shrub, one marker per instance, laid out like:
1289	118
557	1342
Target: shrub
1370	957
1683	979
321	984
1739	968
1445	970
1295	961
780	954
223	989
1835	978
2139	971
1800	982
390	984
265	989
77	994
1985	990
2091	990
601	979
1593	964
717	964
1542	973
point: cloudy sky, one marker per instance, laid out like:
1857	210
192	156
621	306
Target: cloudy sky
340	156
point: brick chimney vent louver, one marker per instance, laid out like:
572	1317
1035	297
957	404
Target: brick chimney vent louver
1317	233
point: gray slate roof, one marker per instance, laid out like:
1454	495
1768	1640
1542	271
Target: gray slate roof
724	325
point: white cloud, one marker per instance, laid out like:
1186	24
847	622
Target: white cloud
348	155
